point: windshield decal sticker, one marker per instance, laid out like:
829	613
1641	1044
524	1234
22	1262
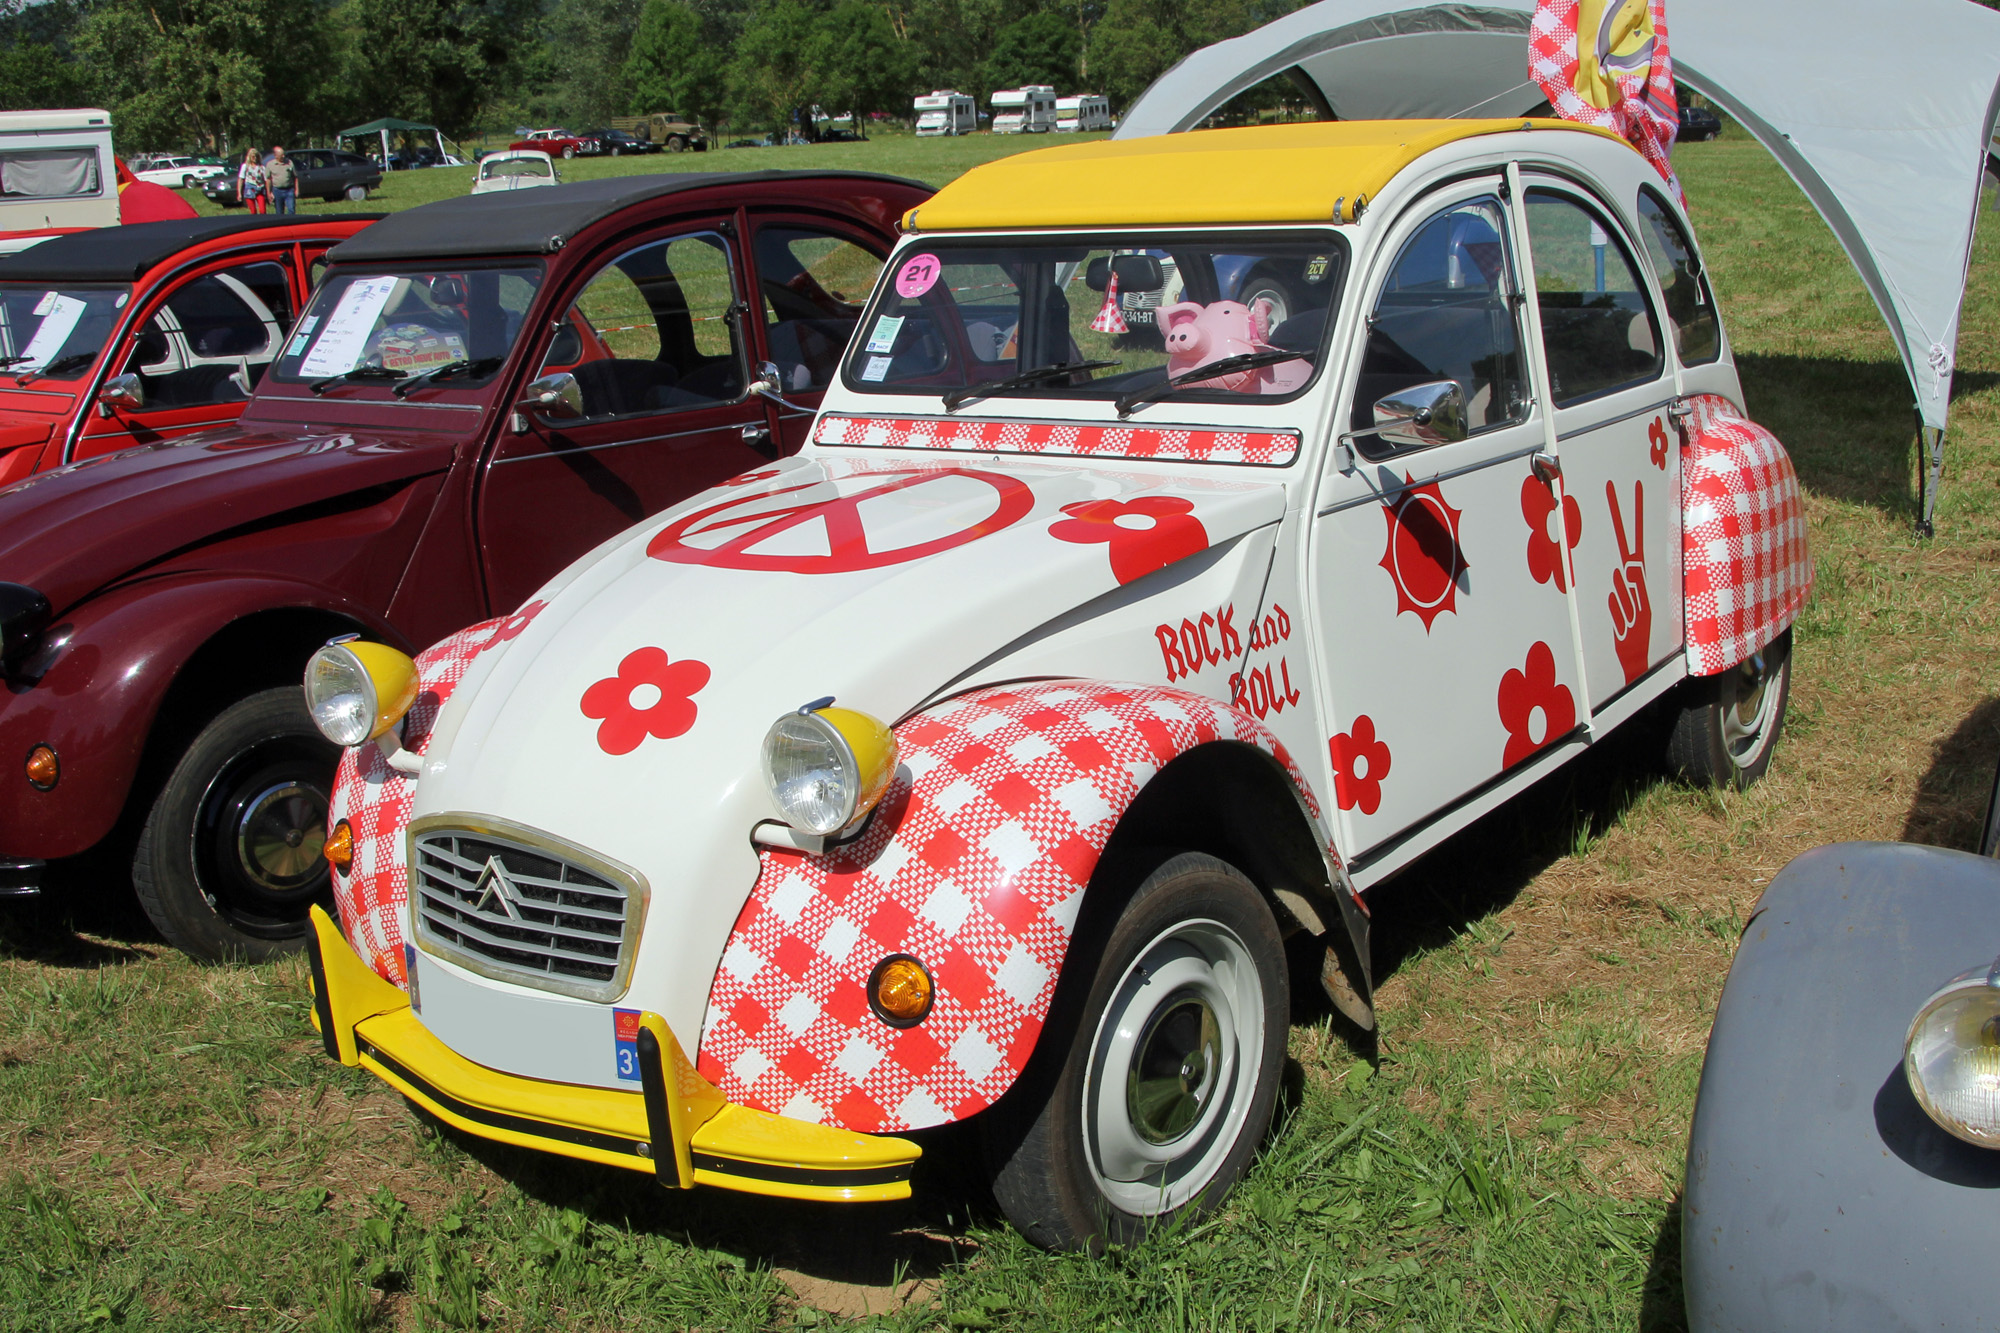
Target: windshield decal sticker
58	322
876	370
1423	556
887	330
918	275
649	696
1144	534
1059	439
345	336
832	535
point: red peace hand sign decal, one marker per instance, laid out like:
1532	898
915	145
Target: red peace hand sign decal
649	696
1631	608
1145	533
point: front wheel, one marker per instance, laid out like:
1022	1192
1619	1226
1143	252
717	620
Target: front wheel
229	862
569	153
188	182
616	151
357	193
1147	1101
1729	723
676	144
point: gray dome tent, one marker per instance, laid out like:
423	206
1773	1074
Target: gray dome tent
1881	113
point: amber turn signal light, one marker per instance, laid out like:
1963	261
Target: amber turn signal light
900	991
43	768
339	849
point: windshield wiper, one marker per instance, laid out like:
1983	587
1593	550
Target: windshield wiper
12	360
485	365
74	361
957	398
358	373
1228	365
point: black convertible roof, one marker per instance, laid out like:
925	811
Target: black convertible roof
127	253
542	220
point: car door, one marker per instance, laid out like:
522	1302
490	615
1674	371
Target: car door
1604	351
198	350
1440	591
653	336
813	277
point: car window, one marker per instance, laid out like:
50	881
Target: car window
1697	334
652	331
1446	312
813	284
391	326
1598	331
213	338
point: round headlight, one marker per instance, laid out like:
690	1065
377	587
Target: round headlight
1952	1058
356	691
827	767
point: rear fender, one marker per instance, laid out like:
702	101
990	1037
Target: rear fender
976	864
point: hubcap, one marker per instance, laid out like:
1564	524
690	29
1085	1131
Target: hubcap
1174	1066
280	835
1746	705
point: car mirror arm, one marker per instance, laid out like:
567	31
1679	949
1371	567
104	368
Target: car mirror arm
767	383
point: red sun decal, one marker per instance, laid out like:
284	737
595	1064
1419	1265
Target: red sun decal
843	536
1143	534
650	696
1423	556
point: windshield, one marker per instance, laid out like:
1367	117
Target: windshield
979	317
393	326
56	332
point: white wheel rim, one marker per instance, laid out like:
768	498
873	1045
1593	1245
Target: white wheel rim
1174	1067
1748	697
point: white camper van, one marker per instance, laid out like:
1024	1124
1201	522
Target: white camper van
56	174
1085	112
1029	110
946	112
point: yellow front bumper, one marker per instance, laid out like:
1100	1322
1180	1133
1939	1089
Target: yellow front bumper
678	1127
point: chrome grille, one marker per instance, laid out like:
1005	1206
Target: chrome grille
527	911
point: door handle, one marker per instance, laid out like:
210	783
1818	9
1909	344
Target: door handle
758	437
1548	467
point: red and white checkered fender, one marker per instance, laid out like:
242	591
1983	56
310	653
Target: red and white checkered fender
374	799
976	865
1177	444
1743	537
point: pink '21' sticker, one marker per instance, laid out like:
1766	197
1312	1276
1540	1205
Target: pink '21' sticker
918	275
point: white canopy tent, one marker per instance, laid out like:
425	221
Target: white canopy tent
1881	113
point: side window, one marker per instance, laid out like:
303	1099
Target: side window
1697	335
812	287
653	331
1598	331
1446	312
212	339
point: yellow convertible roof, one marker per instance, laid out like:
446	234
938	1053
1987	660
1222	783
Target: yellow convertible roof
1265	173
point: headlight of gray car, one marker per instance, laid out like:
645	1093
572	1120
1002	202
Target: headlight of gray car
1952	1056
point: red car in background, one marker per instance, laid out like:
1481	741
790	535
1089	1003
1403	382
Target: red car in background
558	143
135	334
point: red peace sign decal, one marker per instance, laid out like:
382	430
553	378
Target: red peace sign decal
848	547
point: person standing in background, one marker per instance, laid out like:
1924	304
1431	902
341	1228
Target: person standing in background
282	180
250	181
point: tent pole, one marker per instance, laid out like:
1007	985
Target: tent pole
1930	473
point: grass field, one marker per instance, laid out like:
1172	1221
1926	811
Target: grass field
175	1152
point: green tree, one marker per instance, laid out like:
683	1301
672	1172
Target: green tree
444	62
1040	48
38	68
858	62
587	42
770	73
1138	40
676	63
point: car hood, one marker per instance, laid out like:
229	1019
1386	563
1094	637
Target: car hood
72	531
883	583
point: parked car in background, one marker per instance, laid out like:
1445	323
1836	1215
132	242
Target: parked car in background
327	174
620	143
1698	123
472	399
515	170
146	332
669	129
558	143
178	173
61	174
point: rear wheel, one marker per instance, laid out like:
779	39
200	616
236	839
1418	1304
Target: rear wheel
617	151
1147	1101
188	182
228	861
1730	723
1266	286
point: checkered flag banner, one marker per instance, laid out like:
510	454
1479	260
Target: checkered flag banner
1605	62
1110	319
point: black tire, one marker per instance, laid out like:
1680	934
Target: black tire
228	861
1729	724
1203	933
676	144
188	182
356	194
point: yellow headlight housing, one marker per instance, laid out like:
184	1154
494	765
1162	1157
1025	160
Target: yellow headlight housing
356	691
827	767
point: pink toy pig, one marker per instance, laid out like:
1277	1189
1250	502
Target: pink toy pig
1198	334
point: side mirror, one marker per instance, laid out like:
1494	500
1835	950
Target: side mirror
121	391
556	397
1421	415
768	380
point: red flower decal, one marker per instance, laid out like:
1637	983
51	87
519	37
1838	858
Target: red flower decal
649	696
1546	557
1534	706
1423	556
512	626
1145	534
1360	762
